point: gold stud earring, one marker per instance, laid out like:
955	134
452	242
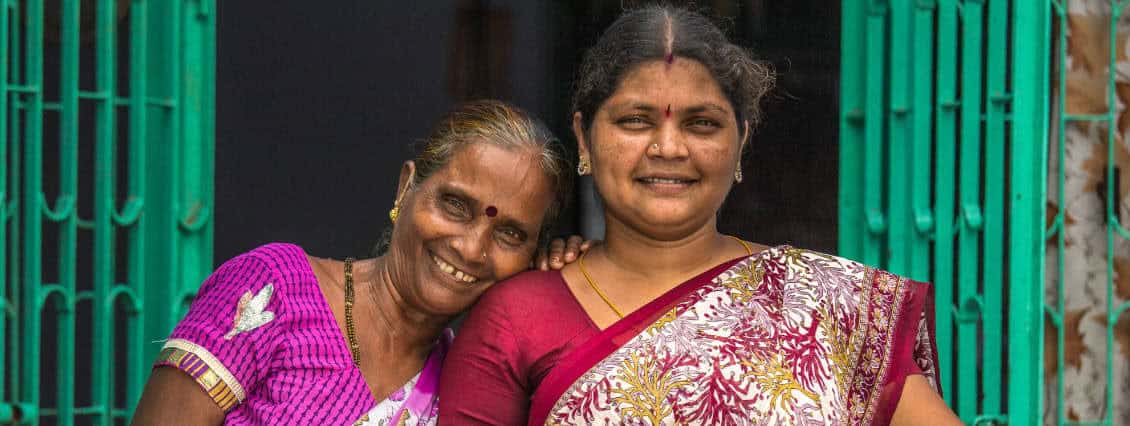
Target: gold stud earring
582	166
394	213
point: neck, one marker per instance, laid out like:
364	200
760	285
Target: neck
630	250
397	325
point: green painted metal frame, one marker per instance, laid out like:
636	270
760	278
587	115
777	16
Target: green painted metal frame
1114	229
164	219
1028	167
927	145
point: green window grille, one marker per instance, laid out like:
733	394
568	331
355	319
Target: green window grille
944	130
1115	233
950	110
105	197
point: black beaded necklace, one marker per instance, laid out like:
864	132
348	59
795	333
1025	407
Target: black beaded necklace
350	329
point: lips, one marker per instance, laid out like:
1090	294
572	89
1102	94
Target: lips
453	271
665	181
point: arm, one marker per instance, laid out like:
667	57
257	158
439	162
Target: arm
920	405
483	381
203	367
173	398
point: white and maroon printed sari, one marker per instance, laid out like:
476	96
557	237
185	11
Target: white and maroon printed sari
785	336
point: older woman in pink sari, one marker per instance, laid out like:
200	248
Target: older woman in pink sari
276	336
671	322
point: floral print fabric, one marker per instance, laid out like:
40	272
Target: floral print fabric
787	336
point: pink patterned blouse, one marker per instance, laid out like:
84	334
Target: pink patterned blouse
261	340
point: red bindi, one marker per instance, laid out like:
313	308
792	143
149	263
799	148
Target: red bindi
668	113
492	211
670	58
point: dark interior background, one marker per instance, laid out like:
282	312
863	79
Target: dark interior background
318	106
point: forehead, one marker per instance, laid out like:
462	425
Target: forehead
507	178
684	81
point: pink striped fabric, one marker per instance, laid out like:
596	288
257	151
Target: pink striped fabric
294	369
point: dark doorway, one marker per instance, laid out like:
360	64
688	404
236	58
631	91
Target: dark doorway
317	107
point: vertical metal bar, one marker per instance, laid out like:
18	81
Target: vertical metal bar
68	232
15	272
199	137
1060	236
103	247
995	110
1031	29
873	134
852	74
32	203
1113	203
944	189
159	228
139	82
899	139
969	194
6	208
921	142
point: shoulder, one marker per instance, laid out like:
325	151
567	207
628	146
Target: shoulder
530	290
514	303
802	263
282	258
282	267
836	275
278	260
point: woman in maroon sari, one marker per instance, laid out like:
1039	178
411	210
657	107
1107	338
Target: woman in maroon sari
669	321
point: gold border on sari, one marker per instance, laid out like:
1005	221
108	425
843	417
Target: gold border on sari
206	369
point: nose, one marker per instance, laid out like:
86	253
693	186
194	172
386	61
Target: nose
473	244
670	142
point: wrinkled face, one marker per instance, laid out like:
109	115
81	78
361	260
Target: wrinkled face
663	148
448	249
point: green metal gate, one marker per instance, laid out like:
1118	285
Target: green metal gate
944	130
103	242
948	108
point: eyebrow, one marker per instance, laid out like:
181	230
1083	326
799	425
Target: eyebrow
707	107
703	107
633	105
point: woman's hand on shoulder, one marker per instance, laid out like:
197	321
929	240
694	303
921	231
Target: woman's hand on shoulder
561	252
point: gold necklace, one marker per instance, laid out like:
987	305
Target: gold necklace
596	288
350	329
604	297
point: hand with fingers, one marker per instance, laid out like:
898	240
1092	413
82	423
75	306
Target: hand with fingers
561	252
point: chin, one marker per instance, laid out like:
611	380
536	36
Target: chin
446	306
667	219
443	300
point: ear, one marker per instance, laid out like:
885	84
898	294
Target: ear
407	175
579	133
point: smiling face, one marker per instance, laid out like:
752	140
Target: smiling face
663	149
446	250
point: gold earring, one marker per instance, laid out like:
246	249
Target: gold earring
394	213
582	166
738	173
